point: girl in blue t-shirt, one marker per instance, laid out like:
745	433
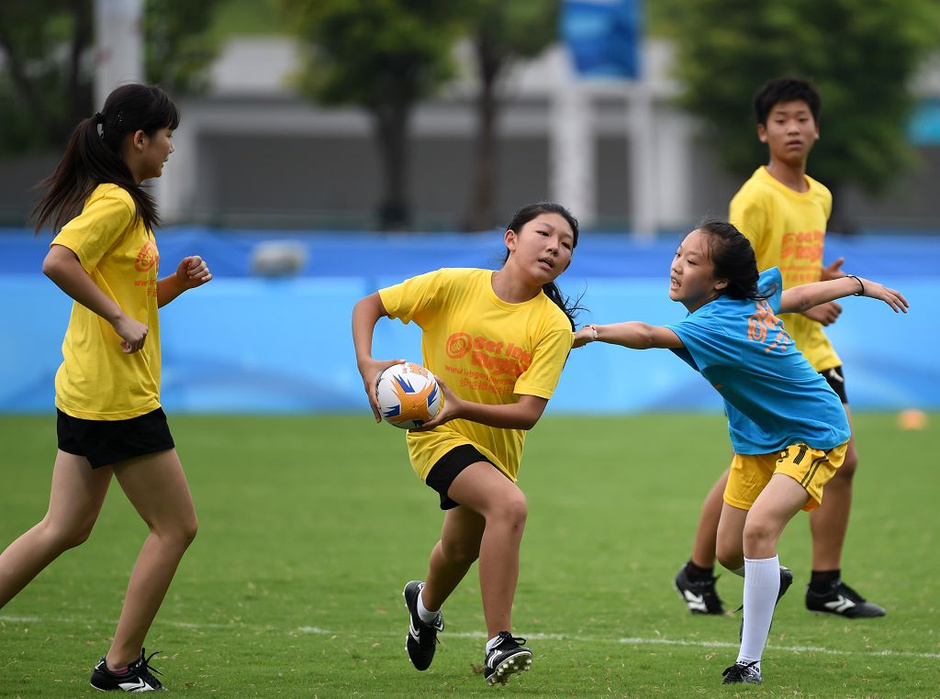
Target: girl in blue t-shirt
787	426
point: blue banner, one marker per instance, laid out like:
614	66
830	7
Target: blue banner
283	345
603	36
924	128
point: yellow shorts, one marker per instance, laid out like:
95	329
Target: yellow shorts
811	468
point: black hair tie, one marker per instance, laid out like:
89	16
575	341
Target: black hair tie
99	118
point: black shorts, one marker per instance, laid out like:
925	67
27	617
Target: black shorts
836	379
105	442
449	466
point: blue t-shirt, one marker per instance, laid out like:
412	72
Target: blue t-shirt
773	396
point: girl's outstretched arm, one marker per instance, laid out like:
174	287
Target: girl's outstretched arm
798	298
633	334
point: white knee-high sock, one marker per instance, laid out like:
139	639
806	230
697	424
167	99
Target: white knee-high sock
761	585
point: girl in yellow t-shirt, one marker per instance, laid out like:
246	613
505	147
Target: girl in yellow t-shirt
497	341
108	387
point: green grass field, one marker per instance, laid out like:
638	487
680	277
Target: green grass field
311	525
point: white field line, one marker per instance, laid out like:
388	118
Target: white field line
627	641
636	641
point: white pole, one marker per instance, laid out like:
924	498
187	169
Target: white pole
119	55
641	136
572	159
119	59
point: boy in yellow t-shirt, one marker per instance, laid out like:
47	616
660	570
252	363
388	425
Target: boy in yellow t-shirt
783	212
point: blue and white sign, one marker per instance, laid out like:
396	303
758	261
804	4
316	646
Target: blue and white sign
603	36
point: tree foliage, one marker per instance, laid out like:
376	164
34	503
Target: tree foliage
502	32
47	66
509	29
43	84
178	49
385	56
373	52
861	54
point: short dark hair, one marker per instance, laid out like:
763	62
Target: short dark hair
780	90
734	259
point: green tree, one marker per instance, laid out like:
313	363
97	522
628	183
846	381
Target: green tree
861	54
46	73
501	31
43	89
178	49
385	56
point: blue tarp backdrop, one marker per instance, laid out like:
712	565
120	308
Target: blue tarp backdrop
250	344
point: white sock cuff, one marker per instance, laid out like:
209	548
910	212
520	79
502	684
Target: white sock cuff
762	572
426	615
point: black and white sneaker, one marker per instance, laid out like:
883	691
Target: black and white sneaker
699	595
742	673
507	657
421	641
138	678
842	600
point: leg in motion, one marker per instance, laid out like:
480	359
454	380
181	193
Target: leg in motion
484	489
695	581
75	500
157	487
763	576
828	524
451	558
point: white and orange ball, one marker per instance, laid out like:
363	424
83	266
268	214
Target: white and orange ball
408	395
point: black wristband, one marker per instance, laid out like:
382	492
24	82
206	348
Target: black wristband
861	291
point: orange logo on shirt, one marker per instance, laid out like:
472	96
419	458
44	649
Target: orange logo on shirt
458	345
756	329
147	257
801	255
496	357
762	324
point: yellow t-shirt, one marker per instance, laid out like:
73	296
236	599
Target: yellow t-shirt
787	230
486	350
97	381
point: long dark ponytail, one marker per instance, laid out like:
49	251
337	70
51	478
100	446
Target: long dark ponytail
526	214
92	157
734	259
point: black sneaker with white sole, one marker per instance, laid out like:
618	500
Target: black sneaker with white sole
507	657
842	600
699	596
742	673
138	678
421	641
